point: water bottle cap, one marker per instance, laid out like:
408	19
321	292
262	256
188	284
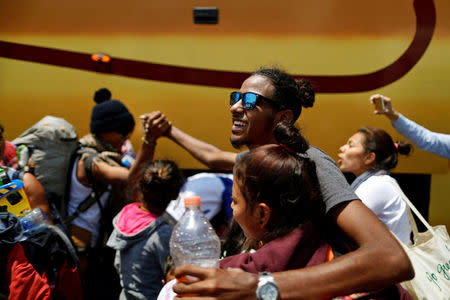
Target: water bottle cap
192	201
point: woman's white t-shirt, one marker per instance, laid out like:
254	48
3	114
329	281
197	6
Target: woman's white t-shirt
380	195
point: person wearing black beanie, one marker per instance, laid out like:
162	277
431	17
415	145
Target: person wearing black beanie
110	115
98	171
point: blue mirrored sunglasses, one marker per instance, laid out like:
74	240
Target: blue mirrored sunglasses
249	100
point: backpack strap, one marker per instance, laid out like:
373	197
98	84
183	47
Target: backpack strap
88	162
82	207
96	195
93	197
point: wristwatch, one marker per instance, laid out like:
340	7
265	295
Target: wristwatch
267	288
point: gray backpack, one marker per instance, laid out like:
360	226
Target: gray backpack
48	149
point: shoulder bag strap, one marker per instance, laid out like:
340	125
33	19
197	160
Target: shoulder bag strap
414	209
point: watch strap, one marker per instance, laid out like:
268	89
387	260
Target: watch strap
265	279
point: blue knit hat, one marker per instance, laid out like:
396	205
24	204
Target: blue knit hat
110	115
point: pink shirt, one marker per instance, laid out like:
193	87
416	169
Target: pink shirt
133	219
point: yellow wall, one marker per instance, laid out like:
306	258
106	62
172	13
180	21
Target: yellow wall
327	37
440	200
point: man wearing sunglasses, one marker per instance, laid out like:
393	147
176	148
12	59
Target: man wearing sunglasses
266	98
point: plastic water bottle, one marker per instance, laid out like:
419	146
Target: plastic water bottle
193	240
23	154
34	222
128	161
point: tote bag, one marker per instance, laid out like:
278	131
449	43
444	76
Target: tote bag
430	257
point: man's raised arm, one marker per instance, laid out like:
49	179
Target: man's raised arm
209	155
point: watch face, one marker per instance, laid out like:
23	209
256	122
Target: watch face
269	291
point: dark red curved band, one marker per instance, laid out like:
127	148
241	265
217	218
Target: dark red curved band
425	24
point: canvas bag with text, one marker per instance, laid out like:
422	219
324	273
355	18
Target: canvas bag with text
430	257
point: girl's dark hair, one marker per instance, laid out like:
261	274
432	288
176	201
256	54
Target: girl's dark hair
289	93
284	177
160	183
235	241
378	141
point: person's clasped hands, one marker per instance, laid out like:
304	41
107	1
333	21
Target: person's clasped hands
155	125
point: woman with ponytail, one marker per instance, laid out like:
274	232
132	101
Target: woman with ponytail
370	154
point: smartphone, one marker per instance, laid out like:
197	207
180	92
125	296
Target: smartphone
379	103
